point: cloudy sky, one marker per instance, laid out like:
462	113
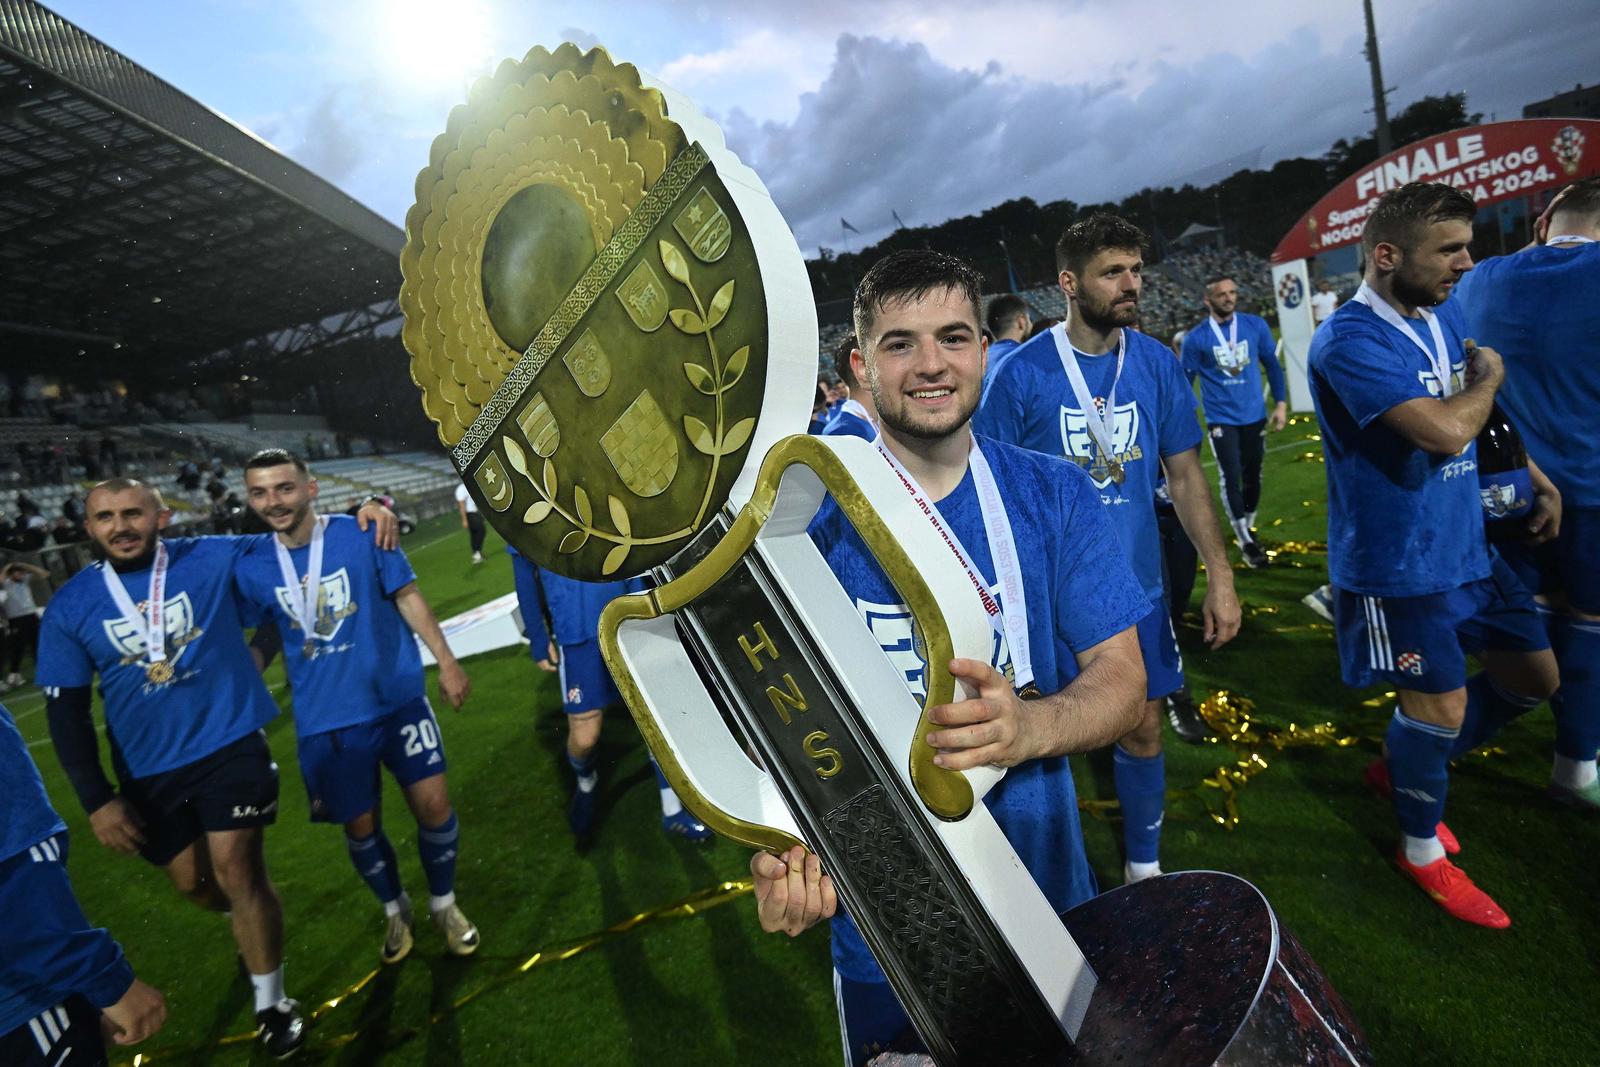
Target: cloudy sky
931	108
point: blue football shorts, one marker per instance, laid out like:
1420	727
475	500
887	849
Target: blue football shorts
1568	565
1421	643
1163	665
586	685
341	767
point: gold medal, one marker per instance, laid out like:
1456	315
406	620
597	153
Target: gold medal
1118	475
158	672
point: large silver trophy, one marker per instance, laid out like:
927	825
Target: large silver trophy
612	326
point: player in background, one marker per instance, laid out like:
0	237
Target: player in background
1113	401
471	521
159	621
1009	321
855	416
1540	309
61	980
1227	352
1323	302
1401	402
586	687
344	612
1065	678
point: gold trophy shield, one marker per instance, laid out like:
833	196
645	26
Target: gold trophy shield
586	311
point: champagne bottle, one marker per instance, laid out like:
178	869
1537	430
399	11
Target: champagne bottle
1504	485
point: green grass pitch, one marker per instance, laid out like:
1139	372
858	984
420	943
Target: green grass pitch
713	989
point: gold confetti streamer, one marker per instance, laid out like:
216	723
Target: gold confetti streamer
695	903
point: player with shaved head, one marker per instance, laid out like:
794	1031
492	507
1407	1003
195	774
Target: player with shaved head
158	620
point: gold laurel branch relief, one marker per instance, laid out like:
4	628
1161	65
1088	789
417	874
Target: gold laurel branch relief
717	441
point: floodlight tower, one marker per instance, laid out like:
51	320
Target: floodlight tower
1380	108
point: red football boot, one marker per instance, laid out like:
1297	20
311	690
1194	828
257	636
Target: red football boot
1376	776
1450	887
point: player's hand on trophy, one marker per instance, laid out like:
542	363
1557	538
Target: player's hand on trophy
1221	612
387	534
118	826
138	1015
453	683
994	728
792	893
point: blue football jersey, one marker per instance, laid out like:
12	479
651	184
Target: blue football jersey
999	352
846	423
1401	521
1230	384
1080	592
215	696
1540	309
365	662
29	818
1031	404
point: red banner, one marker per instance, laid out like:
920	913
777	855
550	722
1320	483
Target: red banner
1495	162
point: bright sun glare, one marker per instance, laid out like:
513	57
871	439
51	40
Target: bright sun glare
430	45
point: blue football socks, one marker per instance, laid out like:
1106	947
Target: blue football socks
375	862
1418	757
438	847
584	770
1577	704
1141	783
1489	708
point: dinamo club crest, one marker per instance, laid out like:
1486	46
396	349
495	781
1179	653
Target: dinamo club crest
586	312
177	617
1291	290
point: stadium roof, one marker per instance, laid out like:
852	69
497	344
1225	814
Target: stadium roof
135	221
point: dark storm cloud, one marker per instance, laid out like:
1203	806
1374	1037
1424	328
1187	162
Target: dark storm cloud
891	127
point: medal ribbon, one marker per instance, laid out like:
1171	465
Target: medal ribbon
153	622
303	598
1099	426
1230	342
1013	622
1438	358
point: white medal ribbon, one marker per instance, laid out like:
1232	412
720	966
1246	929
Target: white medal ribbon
1012	623
1230	342
303	598
1569	239
153	622
1099	426
1438	358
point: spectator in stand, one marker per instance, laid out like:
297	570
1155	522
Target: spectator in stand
1323	302
10	535
22	618
1009	324
34	528
189	476
72	508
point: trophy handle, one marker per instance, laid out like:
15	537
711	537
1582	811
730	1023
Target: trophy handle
803	468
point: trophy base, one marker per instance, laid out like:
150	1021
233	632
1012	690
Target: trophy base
1195	969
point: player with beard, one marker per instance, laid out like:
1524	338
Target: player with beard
1065	677
1417	588
1114	402
158	619
1228	352
344	612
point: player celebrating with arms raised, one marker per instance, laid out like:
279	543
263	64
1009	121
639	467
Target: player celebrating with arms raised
1034	529
1417	587
1114	402
345	613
